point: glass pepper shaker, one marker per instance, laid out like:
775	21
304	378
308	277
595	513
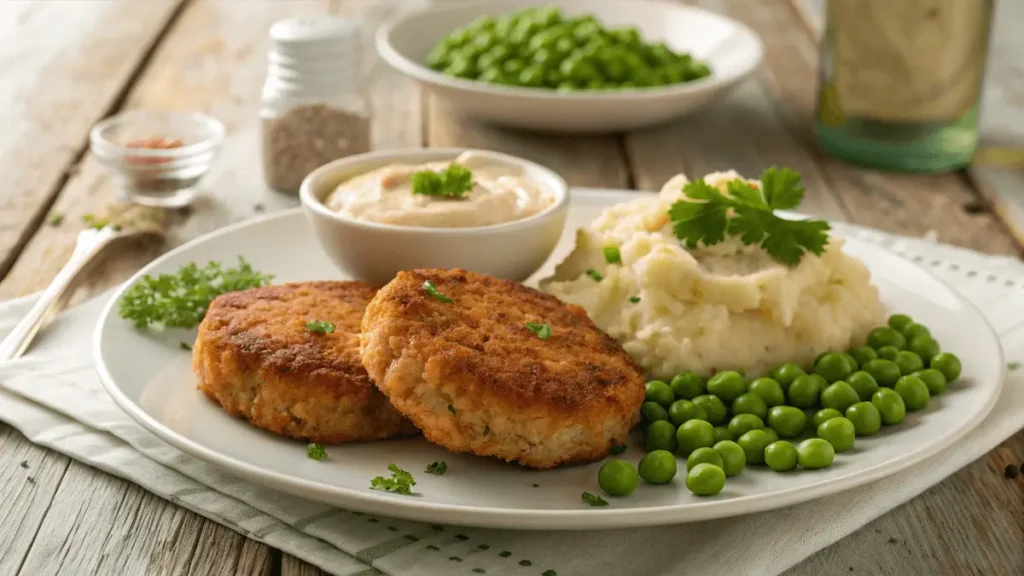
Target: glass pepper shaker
314	107
900	82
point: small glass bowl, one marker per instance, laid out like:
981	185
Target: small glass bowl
159	157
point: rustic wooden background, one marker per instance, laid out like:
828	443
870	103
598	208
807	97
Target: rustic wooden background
69	63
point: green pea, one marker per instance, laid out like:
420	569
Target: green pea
863	355
915	330
532	76
658	467
933	379
908	362
767	390
753	443
658	391
854	365
545	58
704	456
890	405
495	56
660	435
734	459
914	392
786	373
696	71
552	78
492	76
888	352
485	40
722	433
439	57
780	456
815	453
614	66
694	434
579	70
750	404
713	407
548	16
617	478
772	434
886	336
652	412
839	432
705	479
823	415
867	420
805	391
513	66
948	364
461	68
833	367
818	359
482	23
863	383
788	421
687	385
743	423
683	410
564	45
885	372
727	385
924	346
839	395
899	321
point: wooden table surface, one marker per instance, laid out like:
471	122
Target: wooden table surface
67	64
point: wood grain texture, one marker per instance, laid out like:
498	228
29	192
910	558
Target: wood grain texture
59	77
29	477
292	566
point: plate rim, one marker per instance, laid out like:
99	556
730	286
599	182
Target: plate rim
489	517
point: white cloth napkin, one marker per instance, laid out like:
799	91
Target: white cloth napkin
54	398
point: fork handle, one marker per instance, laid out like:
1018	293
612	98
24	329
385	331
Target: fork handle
86	248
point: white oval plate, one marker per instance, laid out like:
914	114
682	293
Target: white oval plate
731	49
150	377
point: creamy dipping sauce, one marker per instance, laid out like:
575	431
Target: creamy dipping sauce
501	193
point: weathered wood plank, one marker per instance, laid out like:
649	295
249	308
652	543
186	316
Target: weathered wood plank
223	552
99	524
59	77
292	566
29	477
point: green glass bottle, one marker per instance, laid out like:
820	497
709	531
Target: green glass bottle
900	82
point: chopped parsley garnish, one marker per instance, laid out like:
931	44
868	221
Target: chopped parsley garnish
455	182
400	481
549	573
180	300
708	215
95	222
618	449
437	468
593	499
1013	366
316	452
595	275
320	326
612	255
429	288
56	218
543	331
634	299
184	345
451	409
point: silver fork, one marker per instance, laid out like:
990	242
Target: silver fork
90	243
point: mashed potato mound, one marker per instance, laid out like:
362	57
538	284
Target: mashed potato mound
722	307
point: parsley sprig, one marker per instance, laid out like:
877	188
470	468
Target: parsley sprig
400	482
593	499
180	300
543	331
320	326
455	182
707	216
316	451
429	288
437	468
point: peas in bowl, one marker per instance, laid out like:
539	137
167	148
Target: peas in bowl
543	48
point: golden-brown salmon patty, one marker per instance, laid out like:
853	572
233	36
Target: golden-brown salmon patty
474	377
256	357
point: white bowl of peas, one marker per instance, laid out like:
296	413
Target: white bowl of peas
583	66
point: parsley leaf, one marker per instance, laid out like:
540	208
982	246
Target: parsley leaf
437	468
400	482
184	345
180	300
56	218
543	331
593	500
455	181
1012	366
612	255
618	449
429	288
320	326
634	299
97	223
748	212
451	409
595	275
316	451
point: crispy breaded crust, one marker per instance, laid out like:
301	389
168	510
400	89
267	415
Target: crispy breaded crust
474	378
255	356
